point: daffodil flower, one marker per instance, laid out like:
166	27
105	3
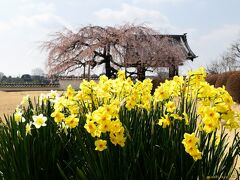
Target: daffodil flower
39	121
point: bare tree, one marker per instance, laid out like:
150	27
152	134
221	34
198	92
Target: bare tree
228	61
115	47
214	67
225	63
235	50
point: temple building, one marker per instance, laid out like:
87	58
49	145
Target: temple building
189	55
169	51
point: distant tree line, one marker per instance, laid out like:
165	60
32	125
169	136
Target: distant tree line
26	78
38	79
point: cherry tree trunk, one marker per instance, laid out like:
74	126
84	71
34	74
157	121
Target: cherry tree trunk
108	67
173	71
141	73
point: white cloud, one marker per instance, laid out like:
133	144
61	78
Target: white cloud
216	41
23	32
33	14
211	45
33	7
129	13
224	34
45	21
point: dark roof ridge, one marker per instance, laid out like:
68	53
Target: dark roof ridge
181	38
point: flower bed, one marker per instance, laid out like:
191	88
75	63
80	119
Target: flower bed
116	129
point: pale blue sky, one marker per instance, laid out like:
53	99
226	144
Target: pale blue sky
212	25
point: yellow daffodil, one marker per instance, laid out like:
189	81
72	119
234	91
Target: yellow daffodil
186	118
210	125
196	154
60	103
71	121
25	100
118	138
100	145
58	116
70	92
104	101
190	142
161	93
53	94
91	127
28	128
190	139
171	107
164	121
121	74
211	113
217	140
18	117
176	116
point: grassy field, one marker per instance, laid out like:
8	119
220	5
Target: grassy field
10	100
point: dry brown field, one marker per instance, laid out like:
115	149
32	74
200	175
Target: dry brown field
10	100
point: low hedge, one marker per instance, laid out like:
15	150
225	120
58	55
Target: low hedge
222	79
212	78
233	86
231	80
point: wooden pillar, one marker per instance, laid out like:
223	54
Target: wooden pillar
176	70
173	71
84	70
89	71
141	72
